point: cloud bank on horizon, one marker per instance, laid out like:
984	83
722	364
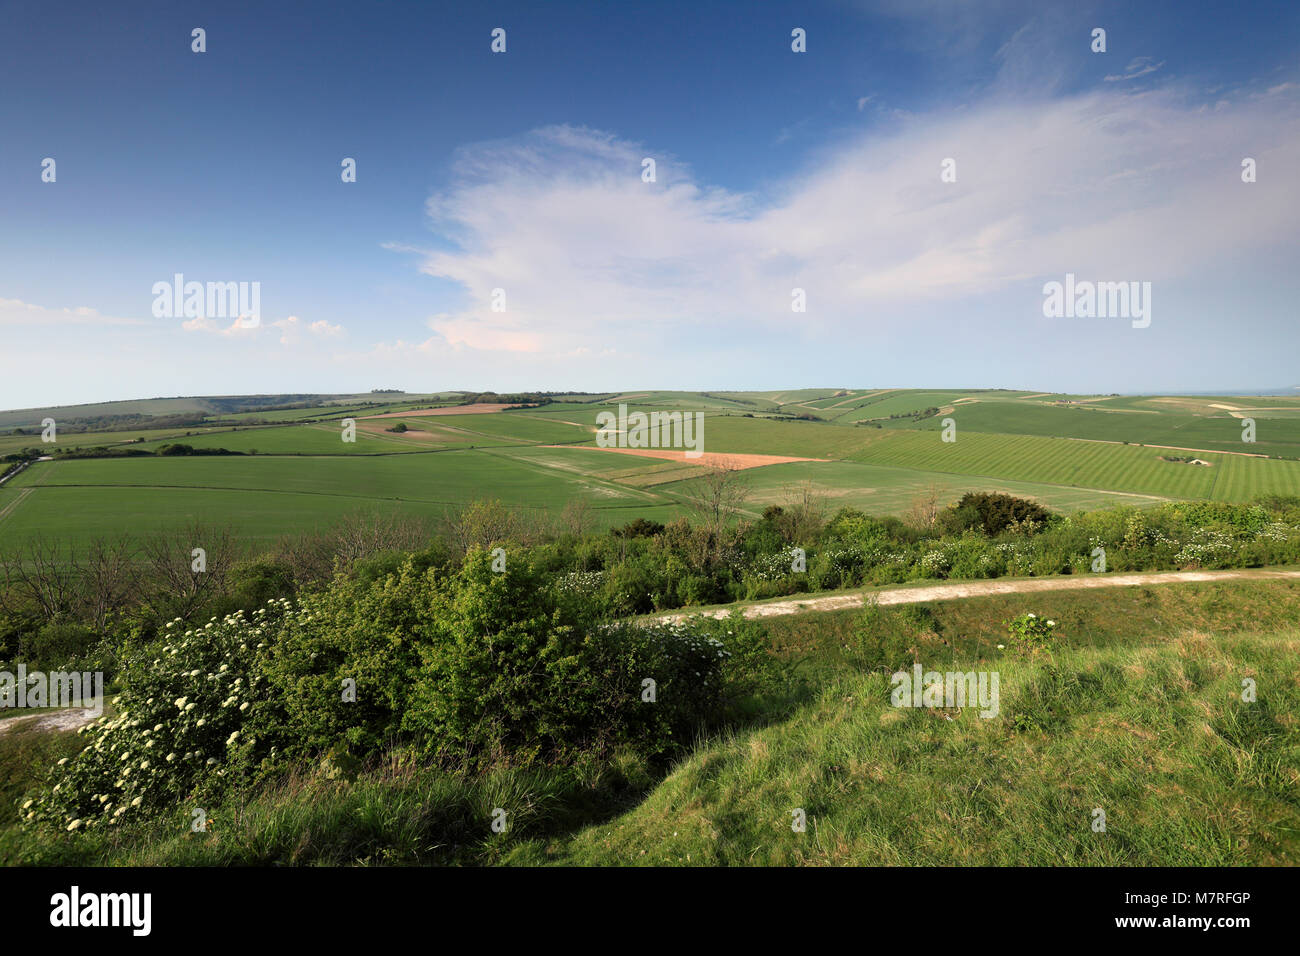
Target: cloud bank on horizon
921	240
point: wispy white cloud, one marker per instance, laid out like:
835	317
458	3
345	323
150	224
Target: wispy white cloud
292	330
1138	66
1108	184
17	312
235	328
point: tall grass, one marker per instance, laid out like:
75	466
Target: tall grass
1157	737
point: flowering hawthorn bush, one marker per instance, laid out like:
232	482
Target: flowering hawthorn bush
177	724
772	567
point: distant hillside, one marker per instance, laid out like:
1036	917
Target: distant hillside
197	406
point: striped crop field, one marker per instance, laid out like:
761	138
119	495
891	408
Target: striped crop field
1176	428
1055	461
1241	478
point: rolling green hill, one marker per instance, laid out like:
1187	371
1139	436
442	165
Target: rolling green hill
1065	451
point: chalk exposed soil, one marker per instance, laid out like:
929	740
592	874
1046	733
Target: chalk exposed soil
69	719
966	589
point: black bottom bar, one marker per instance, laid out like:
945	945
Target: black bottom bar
365	905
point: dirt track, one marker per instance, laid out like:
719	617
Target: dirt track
69	719
966	589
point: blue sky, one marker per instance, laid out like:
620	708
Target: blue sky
522	171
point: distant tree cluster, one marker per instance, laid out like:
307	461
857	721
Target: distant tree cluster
639	528
915	414
24	454
100	451
114	423
172	450
496	398
798	416
726	398
103	451
992	513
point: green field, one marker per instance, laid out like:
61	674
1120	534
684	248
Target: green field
1095	465
886	489
295	472
316	439
10	443
265	496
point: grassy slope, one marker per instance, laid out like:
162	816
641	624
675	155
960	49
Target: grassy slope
1139	713
1155	736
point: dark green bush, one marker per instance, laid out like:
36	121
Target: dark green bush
58	645
253	583
638	528
992	513
479	667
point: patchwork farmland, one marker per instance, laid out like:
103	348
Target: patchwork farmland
420	455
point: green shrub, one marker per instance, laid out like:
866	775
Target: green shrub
508	674
630	588
688	691
59	644
358	636
749	666
638	528
479	667
893	569
836	566
973	556
1031	634
254	583
993	513
696	589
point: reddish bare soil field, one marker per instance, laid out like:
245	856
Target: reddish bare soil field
708	459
